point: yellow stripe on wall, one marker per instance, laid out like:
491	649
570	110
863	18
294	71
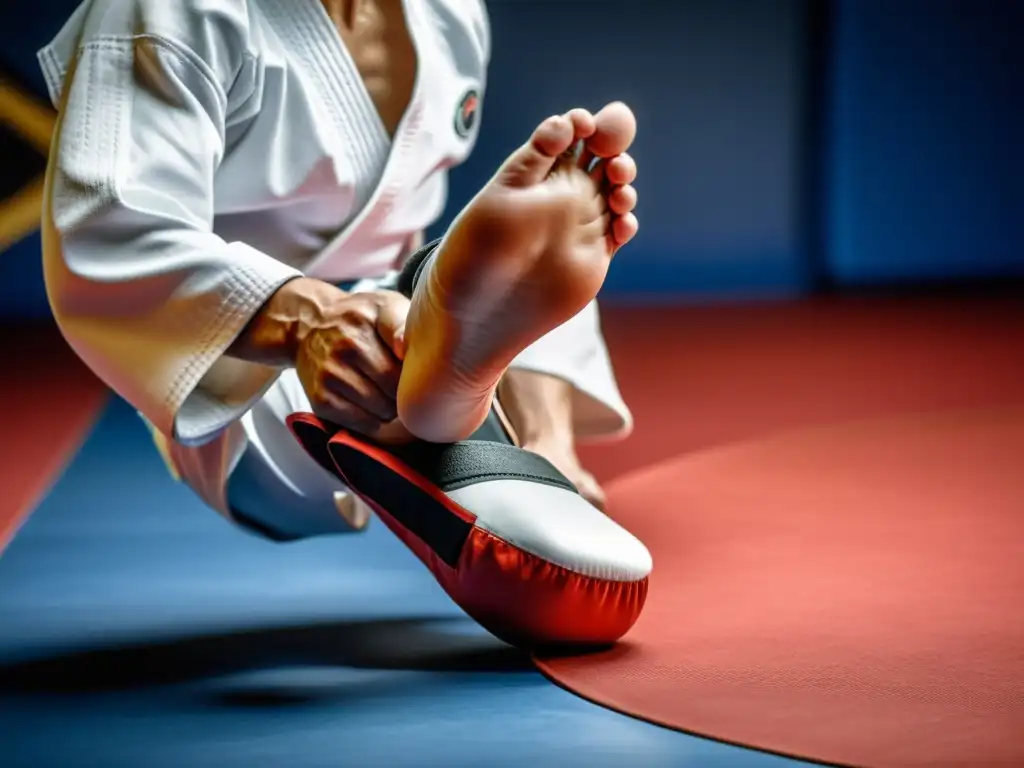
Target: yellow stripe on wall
20	213
34	123
32	120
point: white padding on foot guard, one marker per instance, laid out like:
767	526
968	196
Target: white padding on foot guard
557	525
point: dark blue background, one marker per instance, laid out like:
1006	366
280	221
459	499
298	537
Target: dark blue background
784	145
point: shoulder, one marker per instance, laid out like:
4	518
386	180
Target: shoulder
215	34
180	20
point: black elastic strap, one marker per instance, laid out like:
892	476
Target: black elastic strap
409	277
446	467
473	461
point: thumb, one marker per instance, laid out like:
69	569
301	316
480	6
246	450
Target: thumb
394	308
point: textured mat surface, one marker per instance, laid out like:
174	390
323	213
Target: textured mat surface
847	593
140	630
703	376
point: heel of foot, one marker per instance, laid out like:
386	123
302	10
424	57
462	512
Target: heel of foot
446	417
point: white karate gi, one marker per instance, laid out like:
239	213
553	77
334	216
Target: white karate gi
207	152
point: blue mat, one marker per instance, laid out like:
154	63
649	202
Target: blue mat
138	629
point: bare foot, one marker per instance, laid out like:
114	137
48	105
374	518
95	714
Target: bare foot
530	251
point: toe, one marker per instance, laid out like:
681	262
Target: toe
614	132
622	200
553	137
620	170
532	162
583	123
624	229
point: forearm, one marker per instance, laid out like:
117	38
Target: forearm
273	335
538	405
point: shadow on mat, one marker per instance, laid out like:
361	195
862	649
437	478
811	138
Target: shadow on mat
410	645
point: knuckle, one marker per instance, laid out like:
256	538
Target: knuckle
350	350
359	310
353	312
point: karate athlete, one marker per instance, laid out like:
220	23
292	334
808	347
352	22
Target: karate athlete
233	187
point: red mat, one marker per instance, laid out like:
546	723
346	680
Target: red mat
48	401
850	594
702	376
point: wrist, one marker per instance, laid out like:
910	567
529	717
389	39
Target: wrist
276	331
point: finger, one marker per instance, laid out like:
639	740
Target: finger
380	366
345	414
622	200
621	169
391	316
394	433
346	381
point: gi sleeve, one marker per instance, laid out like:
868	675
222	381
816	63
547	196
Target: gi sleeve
142	289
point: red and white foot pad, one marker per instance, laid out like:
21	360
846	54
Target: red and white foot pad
505	534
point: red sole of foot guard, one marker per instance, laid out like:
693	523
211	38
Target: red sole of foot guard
518	596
